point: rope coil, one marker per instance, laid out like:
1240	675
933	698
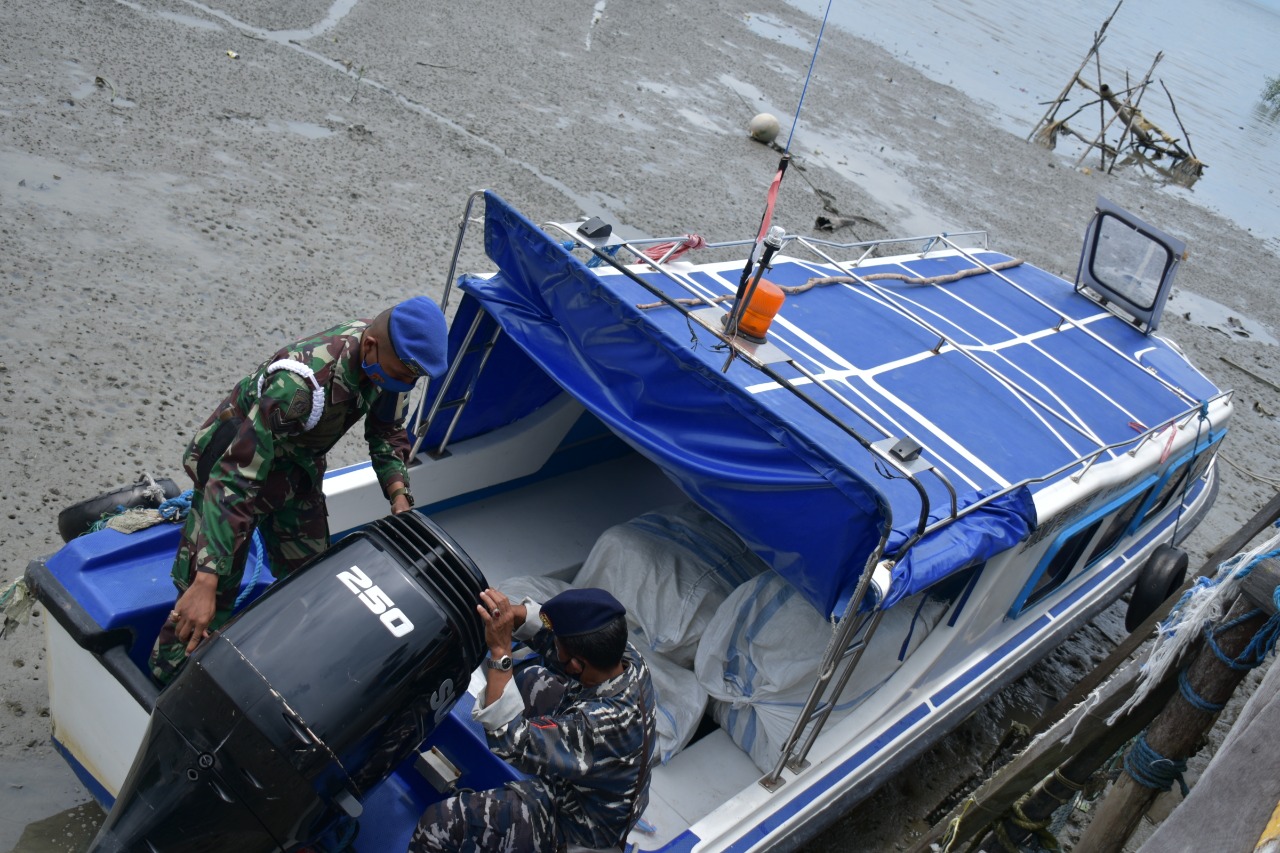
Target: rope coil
1152	770
1193	698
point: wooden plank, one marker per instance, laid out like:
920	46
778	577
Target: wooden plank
1178	730
1259	586
1228	548
1047	751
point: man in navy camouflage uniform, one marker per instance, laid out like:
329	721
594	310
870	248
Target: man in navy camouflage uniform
258	461
581	726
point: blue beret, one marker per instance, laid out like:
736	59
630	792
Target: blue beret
580	611
420	336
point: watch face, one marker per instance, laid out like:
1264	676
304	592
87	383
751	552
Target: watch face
502	664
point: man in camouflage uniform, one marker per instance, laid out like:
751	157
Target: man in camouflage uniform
581	726
258	461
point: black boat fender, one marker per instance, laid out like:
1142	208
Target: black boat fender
76	519
1159	578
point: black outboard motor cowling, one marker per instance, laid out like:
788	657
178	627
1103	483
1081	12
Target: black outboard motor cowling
279	724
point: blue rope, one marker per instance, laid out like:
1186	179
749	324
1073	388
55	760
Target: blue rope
1152	770
1262	644
611	251
1195	699
176	509
255	550
812	61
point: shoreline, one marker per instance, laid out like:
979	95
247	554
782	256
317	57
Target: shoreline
170	227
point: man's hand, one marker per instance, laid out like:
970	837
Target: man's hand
400	504
195	609
500	619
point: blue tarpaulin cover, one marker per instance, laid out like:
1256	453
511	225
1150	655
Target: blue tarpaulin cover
799	490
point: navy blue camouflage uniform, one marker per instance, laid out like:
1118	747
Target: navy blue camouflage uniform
586	749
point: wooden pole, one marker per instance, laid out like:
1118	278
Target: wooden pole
1071	715
1259	589
1226	549
1098	38
1259	586
1176	733
1060	785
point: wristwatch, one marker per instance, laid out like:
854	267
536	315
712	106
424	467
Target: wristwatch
502	664
401	490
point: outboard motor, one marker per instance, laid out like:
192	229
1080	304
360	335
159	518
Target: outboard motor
280	723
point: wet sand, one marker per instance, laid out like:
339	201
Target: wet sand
170	214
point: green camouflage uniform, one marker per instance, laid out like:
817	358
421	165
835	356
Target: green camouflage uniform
255	467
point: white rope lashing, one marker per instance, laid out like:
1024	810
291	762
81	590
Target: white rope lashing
317	393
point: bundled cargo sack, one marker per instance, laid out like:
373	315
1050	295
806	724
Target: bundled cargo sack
759	659
671	568
680	698
536	588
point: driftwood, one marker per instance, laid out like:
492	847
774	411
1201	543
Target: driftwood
1141	141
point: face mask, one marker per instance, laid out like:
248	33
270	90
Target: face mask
384	381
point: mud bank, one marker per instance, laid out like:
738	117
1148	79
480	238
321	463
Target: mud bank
184	187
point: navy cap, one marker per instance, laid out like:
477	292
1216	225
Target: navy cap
420	336
580	611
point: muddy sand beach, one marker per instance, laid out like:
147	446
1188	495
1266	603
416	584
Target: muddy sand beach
185	187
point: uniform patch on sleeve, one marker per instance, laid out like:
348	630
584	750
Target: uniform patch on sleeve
299	407
290	419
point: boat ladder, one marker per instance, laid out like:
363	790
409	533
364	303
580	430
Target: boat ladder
482	336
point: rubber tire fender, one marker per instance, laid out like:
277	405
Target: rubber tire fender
1159	578
76	519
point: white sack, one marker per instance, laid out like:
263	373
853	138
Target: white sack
760	654
681	700
671	568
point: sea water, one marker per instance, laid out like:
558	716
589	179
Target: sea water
1016	56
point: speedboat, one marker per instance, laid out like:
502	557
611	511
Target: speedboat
846	491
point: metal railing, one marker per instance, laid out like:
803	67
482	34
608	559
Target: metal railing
850	633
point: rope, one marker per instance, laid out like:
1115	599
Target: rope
823	281
1193	698
16	604
612	251
299	369
153	490
1260	645
176	509
1261	479
1152	770
255	549
1186	480
132	519
953	828
10	592
1194	615
1038	828
669	251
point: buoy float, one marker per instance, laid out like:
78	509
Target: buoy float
764	127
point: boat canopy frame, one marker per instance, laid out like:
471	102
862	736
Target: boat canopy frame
855	626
